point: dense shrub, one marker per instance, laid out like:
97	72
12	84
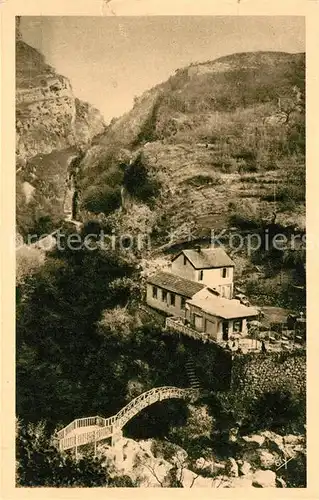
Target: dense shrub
40	464
277	411
104	199
139	182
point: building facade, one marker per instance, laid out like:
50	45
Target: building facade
197	295
169	293
211	267
218	318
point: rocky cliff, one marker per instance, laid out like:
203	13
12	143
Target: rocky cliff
48	115
52	127
219	146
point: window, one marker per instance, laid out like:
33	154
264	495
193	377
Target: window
172	299
183	302
154	292
164	296
198	322
185	261
224	272
238	325
200	275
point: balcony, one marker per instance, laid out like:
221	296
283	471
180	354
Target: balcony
178	325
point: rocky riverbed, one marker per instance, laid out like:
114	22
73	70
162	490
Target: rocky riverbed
263	461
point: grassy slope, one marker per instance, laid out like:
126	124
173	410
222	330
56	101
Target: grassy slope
223	104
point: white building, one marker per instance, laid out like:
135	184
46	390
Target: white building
217	317
168	293
209	266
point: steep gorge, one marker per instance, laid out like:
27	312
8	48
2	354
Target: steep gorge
52	126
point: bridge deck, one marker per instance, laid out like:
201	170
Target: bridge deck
83	430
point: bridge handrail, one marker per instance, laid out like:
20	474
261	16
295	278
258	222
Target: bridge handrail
113	420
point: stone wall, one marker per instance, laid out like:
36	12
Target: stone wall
257	373
248	375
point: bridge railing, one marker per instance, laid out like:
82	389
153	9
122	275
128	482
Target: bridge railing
81	422
116	422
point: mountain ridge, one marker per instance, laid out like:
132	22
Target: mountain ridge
203	134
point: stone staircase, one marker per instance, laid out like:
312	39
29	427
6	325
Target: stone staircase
190	370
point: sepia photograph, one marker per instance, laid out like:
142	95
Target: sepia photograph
160	251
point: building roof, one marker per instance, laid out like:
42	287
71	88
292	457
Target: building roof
175	284
221	307
207	258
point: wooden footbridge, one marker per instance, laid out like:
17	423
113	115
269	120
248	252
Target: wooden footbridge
91	430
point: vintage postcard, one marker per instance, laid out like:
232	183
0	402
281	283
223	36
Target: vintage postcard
155	185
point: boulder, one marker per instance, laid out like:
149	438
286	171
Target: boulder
254	440
200	463
275	442
242	482
280	482
218	465
292	439
267	459
231	468
264	479
244	468
190	479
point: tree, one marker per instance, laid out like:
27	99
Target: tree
117	322
39	463
57	323
29	260
102	198
277	411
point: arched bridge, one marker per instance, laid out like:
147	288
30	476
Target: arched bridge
93	429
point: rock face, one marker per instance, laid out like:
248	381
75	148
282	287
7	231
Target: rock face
52	128
264	479
48	116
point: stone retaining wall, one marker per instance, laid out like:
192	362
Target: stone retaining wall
257	373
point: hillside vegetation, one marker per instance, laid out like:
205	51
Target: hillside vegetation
219	138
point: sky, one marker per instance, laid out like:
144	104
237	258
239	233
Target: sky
110	60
